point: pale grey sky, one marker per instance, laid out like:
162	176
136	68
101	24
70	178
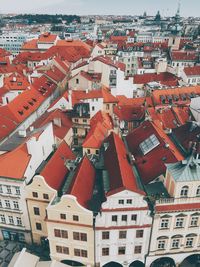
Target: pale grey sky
83	7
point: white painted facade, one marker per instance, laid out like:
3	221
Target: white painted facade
14	219
137	218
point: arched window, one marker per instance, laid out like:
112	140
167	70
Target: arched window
198	191
184	191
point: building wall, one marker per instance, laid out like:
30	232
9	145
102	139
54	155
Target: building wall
69	206
138	218
40	201
14	219
171	232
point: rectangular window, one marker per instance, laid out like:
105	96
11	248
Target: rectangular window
124	218
121	201
121	250
38	226
122	234
179	222
139	233
58	249
129	201
114	218
105	251
57	233
175	243
45	196
138	249
79	236
36	211
10	218
164	223
7	203
84	253
35	194
194	221
1	189
3	219
77	252
149	144
17	190
133	217
64	234
8	187
189	242
105	235
16	205
161	244
63	216
19	221
66	250
75	218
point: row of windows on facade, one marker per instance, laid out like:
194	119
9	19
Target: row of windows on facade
105	251
35	195
121	250
176	243
10	220
124	218
77	252
7	189
185	191
165	223
9	204
63	216
122	234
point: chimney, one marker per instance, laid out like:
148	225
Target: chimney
22	133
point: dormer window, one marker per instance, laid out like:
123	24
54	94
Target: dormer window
184	191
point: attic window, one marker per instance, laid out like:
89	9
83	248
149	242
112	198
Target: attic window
26	107
34	99
149	144
21	112
31	103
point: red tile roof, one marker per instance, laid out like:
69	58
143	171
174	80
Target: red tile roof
47	37
14	113
151	165
103	118
13	164
177	207
184	56
57	114
110	62
156	94
94	77
83	182
164	78
16	82
192	71
121	176
101	93
129	112
55	170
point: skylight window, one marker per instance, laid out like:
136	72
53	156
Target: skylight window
149	144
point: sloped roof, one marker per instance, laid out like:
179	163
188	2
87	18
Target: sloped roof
121	175
83	182
55	170
187	170
13	164
192	71
152	164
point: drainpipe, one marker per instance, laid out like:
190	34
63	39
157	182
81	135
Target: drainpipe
94	228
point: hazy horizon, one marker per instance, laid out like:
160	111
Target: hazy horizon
103	7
